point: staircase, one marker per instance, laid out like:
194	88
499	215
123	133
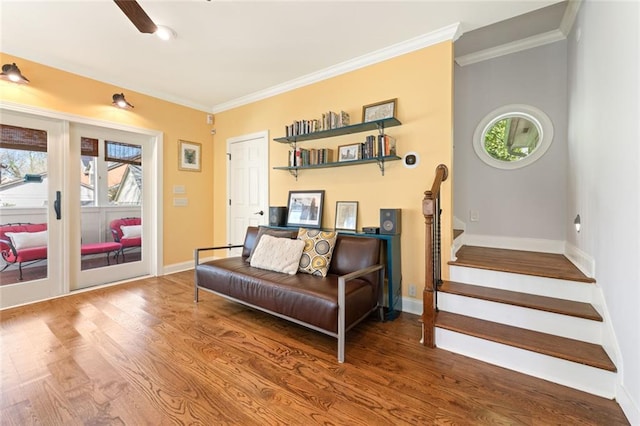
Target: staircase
526	311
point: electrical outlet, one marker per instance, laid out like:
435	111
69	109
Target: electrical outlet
474	215
412	290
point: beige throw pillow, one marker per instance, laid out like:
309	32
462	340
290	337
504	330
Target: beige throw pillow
277	254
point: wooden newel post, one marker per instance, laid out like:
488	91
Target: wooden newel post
428	294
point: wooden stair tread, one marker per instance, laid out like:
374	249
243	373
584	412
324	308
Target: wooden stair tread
549	265
547	344
541	303
457	233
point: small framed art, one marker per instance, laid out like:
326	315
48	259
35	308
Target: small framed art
379	110
346	215
305	208
189	156
350	152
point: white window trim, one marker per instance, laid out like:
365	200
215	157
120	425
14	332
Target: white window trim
533	114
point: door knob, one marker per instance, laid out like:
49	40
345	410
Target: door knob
261	213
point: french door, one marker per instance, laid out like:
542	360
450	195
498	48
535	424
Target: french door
74	179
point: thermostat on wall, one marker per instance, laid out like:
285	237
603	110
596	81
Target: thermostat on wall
411	160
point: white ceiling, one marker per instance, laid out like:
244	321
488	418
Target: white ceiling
226	50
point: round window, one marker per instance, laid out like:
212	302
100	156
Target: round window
513	136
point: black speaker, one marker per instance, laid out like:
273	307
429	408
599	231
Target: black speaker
277	216
390	221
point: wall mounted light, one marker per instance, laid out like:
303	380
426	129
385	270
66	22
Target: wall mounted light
576	223
165	33
120	101
11	72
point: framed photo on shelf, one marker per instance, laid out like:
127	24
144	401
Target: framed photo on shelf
349	152
305	208
346	215
379	110
189	156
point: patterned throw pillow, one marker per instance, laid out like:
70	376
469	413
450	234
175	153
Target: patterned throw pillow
318	249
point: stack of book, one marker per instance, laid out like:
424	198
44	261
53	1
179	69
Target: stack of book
329	120
385	146
310	157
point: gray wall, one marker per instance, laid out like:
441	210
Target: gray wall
525	203
604	177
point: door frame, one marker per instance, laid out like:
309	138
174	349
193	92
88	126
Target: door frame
156	137
264	136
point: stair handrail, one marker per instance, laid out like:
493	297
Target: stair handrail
433	277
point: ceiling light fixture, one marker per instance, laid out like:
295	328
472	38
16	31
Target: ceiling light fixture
165	33
11	72
120	101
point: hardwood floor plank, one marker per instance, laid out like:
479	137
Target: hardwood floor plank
549	265
144	353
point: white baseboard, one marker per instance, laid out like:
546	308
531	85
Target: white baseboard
580	259
184	266
412	305
513	243
629	406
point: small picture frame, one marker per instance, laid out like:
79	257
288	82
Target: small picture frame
346	215
379	110
305	209
350	152
189	156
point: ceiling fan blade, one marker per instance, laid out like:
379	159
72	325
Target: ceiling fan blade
137	16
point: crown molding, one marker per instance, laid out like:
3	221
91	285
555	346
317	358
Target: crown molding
569	17
450	32
513	47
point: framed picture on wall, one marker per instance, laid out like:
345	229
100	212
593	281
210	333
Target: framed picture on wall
379	110
346	215
305	208
189	156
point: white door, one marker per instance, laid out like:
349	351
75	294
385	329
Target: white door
110	171
248	184
32	163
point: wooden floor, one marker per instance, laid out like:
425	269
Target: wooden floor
144	353
520	262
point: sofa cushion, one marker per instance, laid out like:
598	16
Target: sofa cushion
279	233
24	240
318	249
277	254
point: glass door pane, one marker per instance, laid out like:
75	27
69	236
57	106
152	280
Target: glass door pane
110	211
30	230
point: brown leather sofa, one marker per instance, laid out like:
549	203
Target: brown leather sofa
332	305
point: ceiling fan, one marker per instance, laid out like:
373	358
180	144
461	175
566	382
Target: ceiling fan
137	16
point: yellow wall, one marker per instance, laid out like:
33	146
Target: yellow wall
422	81
184	227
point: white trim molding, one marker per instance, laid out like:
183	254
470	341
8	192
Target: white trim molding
513	47
451	32
580	259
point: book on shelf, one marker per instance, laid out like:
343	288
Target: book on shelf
386	145
310	157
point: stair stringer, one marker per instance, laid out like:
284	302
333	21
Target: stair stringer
578	376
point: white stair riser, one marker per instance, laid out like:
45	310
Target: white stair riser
531	319
541	286
588	379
